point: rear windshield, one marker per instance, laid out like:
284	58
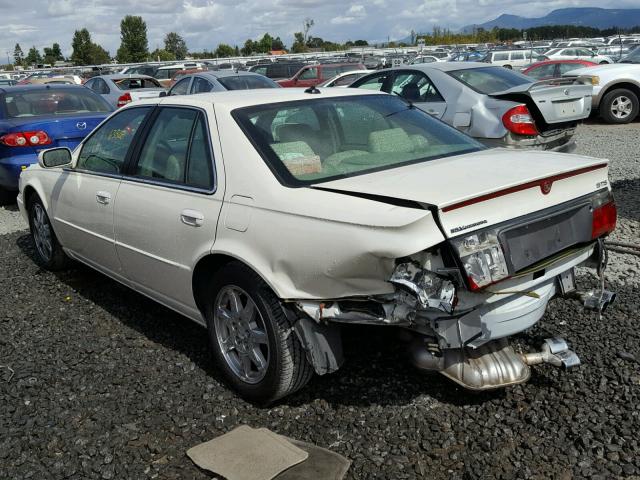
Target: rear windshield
52	101
490	80
312	141
247	82
132	83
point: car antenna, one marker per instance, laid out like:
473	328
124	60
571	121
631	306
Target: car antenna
313	90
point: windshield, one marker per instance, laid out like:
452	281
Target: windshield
247	82
52	101
313	141
490	80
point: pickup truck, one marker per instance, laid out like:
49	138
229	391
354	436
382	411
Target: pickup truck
273	217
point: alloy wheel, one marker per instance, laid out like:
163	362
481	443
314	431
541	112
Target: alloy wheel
241	334
621	107
42	232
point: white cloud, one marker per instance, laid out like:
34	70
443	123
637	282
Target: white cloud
205	23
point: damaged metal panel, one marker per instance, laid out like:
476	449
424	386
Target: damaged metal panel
322	344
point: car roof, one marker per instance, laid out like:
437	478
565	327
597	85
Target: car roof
225	73
445	66
40	86
246	98
122	76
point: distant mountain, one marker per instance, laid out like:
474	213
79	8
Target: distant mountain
586	17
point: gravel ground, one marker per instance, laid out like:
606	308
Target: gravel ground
107	384
11	220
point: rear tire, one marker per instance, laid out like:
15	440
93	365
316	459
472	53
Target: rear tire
619	106
49	253
508	67
251	338
7	197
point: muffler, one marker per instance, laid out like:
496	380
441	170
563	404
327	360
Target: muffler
493	365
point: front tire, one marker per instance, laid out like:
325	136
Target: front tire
251	338
49	253
619	106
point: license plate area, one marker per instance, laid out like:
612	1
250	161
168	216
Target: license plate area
567	281
543	237
568	108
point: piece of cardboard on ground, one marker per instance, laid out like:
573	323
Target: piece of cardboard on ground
322	464
247	454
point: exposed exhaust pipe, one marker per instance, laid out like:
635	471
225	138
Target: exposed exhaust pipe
555	351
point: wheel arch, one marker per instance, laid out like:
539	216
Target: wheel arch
210	264
634	87
31	191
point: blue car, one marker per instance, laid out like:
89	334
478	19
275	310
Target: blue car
37	117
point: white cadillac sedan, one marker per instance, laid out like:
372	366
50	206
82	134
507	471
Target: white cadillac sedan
272	217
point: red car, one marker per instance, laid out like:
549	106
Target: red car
554	68
312	75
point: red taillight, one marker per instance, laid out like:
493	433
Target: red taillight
519	120
604	220
124	99
25	139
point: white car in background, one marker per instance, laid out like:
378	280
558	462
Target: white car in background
272	217
616	89
345	79
577	53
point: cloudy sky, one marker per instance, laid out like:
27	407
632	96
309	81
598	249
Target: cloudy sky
205	23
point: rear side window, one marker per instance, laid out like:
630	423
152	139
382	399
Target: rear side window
200	85
132	83
177	149
373	82
415	87
500	57
181	87
53	101
517	56
490	80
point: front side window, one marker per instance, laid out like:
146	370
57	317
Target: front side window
309	74
313	141
106	149
181	87
176	149
373	82
500	57
415	87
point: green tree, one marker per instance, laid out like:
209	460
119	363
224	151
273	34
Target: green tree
163	55
99	55
224	50
299	44
249	47
134	46
264	44
33	57
175	44
361	43
53	54
18	54
82	47
278	44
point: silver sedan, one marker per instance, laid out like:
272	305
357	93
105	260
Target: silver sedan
499	107
220	81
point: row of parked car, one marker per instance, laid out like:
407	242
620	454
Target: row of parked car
496	106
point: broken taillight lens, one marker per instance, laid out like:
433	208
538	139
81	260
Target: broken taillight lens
482	258
518	120
124	99
604	220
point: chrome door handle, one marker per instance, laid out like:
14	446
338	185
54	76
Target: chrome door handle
103	197
193	218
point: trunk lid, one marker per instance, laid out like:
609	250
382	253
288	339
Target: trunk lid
63	130
484	188
556	100
140	93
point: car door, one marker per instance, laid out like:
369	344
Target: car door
85	196
168	205
416	87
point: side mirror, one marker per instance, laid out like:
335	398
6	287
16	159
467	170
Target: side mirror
163	93
54	157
